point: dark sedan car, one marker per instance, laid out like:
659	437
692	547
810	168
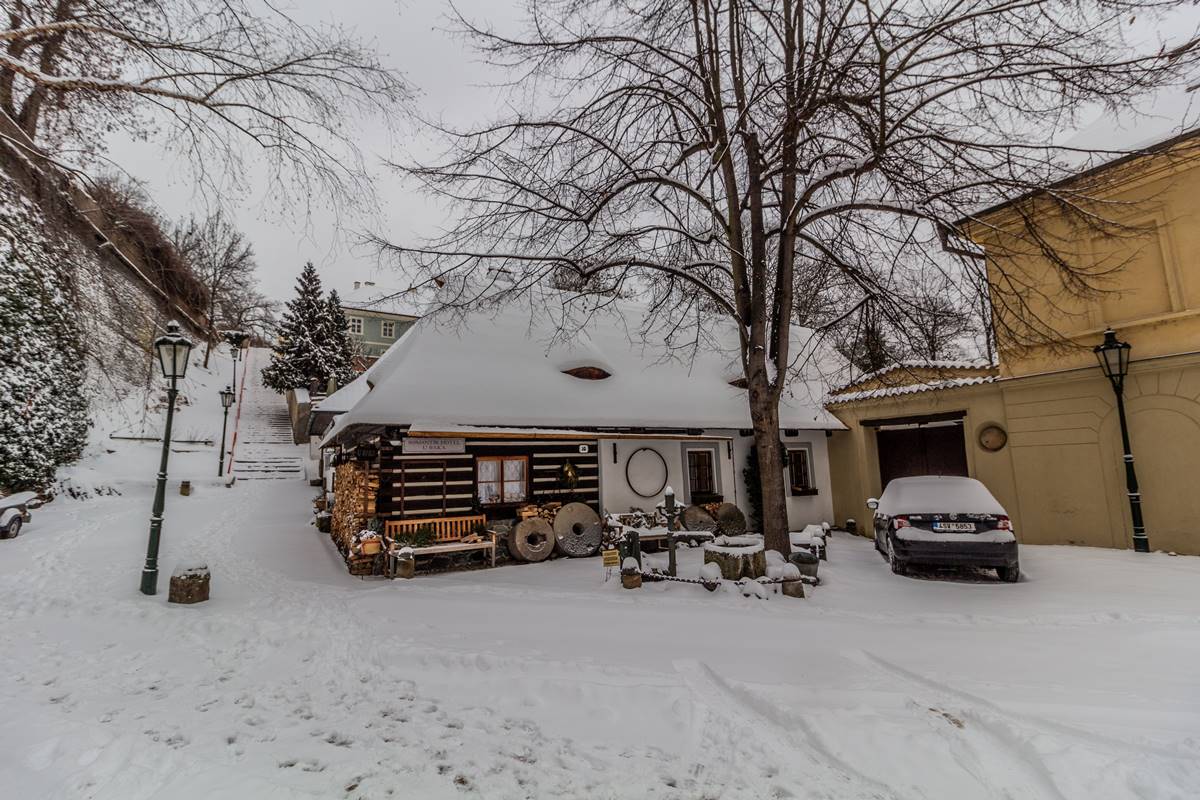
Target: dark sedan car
944	520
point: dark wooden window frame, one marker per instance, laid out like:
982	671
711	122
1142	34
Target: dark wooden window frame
504	501
695	483
805	484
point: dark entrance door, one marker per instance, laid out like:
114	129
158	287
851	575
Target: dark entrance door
922	450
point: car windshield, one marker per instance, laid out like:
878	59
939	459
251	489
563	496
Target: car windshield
933	493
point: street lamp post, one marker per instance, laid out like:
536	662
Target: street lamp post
670	510
226	402
173	349
1113	356
236	339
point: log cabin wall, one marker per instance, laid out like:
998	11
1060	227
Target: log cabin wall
432	485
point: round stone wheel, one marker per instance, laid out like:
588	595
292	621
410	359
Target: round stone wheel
696	518
577	530
531	539
731	520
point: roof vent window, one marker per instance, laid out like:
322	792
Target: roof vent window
588	373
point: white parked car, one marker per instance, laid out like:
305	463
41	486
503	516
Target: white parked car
946	520
14	512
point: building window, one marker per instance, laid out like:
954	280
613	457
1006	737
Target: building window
356	326
800	471
502	479
700	472
389	330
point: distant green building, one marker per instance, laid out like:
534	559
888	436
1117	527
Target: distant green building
377	318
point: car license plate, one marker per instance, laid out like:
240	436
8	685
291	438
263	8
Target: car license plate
958	527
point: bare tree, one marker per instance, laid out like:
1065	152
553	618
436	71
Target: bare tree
223	261
699	150
208	73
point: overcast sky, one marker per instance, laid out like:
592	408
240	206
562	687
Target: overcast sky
410	36
451	84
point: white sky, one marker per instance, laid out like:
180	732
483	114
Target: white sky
449	80
451	85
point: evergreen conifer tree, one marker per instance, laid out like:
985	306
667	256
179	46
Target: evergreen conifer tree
302	355
43	407
341	344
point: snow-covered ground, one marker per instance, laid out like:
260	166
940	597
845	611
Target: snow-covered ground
545	681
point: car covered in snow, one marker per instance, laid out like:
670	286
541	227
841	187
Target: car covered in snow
944	520
14	512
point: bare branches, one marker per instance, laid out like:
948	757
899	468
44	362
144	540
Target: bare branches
214	74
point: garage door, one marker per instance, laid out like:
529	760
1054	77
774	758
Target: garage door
934	449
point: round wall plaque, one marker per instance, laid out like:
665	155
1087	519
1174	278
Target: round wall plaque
993	438
646	472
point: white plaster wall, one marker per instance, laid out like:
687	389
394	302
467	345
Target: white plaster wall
617	497
801	510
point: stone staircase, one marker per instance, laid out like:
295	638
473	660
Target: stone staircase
264	449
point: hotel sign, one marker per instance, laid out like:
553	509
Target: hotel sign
432	445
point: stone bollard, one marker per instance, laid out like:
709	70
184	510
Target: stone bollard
793	588
185	488
189	584
631	573
406	563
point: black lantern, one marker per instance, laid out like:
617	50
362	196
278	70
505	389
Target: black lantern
1113	355
226	402
174	350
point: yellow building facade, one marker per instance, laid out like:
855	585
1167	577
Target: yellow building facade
1041	428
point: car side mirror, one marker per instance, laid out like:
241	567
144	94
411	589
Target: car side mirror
872	504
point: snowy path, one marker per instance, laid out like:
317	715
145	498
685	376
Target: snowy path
544	681
264	445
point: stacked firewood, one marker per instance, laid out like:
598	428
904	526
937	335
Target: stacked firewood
547	511
355	489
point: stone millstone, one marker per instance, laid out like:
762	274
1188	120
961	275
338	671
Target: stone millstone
750	563
577	530
731	520
695	518
531	539
189	585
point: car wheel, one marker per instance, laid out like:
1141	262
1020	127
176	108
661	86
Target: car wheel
898	566
13	529
1009	574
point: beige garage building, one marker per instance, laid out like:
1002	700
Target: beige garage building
1040	429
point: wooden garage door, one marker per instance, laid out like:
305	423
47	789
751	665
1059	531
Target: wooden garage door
924	450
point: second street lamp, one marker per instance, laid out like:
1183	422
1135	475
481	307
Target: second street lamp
1113	356
173	351
226	402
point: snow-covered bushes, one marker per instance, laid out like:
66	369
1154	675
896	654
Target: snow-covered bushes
43	407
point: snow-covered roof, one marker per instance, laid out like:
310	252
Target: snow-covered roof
505	368
367	295
912	388
912	365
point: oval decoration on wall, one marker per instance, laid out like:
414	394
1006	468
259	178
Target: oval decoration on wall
646	472
993	438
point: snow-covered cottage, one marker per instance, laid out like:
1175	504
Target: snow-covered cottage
487	413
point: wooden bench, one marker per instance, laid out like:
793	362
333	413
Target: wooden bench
448	533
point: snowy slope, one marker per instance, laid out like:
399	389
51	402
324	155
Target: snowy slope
544	681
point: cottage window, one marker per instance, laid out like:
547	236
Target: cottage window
700	472
800	471
356	326
389	330
502	479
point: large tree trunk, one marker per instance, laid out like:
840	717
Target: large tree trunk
764	412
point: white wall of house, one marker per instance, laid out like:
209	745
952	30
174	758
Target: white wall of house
617	472
801	510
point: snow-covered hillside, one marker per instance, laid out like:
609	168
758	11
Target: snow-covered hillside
544	681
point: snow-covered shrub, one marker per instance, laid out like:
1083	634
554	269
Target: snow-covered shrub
43	407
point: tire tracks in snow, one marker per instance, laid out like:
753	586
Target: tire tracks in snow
1114	746
730	706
